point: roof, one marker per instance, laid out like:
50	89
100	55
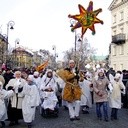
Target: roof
99	58
116	3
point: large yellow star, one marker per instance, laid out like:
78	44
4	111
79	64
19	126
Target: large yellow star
86	19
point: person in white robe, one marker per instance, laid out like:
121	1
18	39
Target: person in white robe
86	98
115	95
48	90
15	102
37	79
30	101
3	110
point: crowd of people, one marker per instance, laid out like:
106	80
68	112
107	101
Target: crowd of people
21	92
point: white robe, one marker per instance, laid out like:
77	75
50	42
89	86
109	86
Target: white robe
37	81
50	100
3	110
51	84
30	101
115	96
15	83
86	98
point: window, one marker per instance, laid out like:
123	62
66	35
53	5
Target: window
121	15
121	49
114	32
114	50
114	19
121	30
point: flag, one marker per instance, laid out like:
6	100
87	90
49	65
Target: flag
42	66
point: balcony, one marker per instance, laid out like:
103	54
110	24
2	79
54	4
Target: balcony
119	39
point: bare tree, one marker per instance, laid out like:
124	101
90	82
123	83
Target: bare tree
84	53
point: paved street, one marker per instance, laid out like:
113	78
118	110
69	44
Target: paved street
87	121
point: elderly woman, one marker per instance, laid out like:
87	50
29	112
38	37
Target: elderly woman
100	94
15	103
115	96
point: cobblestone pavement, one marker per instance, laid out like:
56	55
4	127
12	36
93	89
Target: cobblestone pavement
86	121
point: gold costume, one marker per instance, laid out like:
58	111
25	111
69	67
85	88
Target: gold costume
72	90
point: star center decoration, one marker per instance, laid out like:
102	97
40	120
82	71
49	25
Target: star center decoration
86	19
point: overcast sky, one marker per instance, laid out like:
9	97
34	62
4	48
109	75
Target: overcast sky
40	24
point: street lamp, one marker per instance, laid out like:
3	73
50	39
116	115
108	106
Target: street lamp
55	54
16	42
77	36
10	25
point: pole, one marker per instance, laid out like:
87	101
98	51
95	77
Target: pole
75	44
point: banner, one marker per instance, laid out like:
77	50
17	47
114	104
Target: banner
42	66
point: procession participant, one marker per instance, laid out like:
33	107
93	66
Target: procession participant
15	102
30	101
86	98
2	79
72	91
100	94
115	95
48	82
3	110
37	79
48	91
7	76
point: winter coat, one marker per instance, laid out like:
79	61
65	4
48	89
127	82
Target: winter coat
100	89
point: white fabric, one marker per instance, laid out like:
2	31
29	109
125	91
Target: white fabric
4	95
115	96
37	81
86	98
15	83
30	101
50	100
74	108
36	73
52	84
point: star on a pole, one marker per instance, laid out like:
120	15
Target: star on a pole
86	19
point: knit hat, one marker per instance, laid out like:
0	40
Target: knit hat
36	73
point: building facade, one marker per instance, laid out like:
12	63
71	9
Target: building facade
119	46
22	57
3	49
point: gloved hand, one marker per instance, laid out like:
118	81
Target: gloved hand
9	88
20	89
